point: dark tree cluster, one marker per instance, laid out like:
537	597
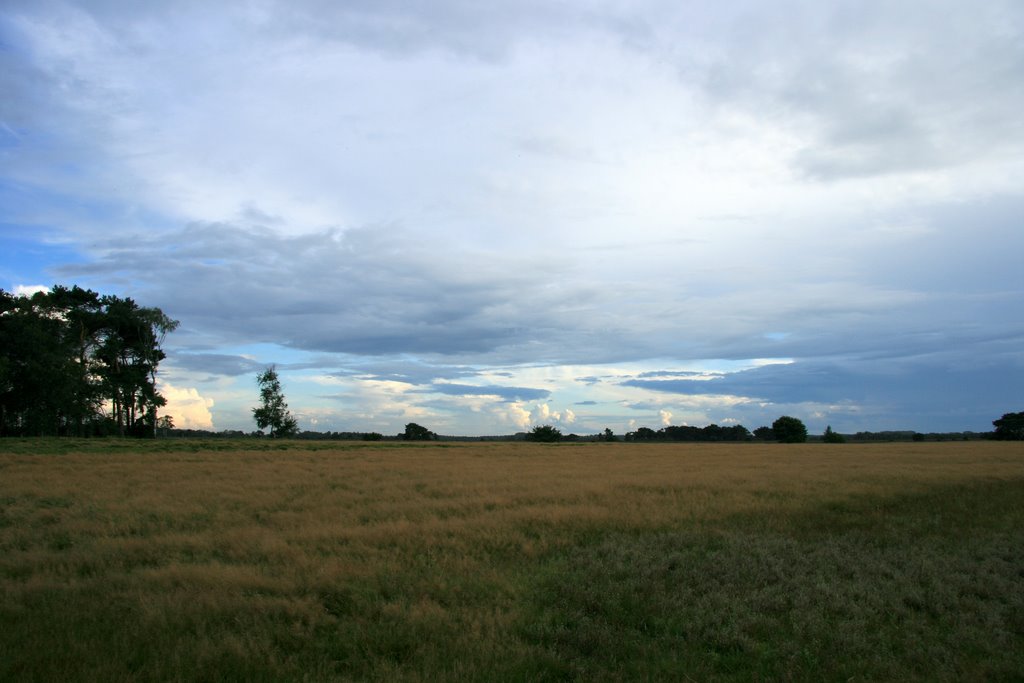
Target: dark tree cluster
301	436
415	432
910	435
789	430
832	437
544	434
77	363
786	429
339	436
712	432
1010	427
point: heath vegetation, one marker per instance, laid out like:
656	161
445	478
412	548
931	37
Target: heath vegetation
278	560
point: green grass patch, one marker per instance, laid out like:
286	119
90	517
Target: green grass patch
921	587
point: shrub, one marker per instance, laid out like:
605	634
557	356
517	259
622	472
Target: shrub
789	430
545	433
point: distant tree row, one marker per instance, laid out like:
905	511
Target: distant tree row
240	434
339	436
786	429
74	362
1010	427
712	432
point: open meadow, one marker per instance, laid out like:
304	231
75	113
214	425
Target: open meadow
276	561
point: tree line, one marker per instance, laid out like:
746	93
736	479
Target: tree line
786	429
273	413
74	362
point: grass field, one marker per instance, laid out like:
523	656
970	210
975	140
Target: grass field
266	561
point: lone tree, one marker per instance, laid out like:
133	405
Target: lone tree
1010	427
415	432
789	430
832	437
273	411
165	423
545	433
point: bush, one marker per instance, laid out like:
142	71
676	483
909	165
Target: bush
832	437
415	432
1010	427
789	430
545	433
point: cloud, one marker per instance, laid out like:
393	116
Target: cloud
360	292
884	394
29	290
215	363
517	394
540	414
866	91
543	414
517	415
381	293
187	407
666	417
408	195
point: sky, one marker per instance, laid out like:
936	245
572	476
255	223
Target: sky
483	217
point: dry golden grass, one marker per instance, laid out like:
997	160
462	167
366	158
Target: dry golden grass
379	561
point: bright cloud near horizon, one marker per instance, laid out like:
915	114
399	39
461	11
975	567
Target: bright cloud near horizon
485	216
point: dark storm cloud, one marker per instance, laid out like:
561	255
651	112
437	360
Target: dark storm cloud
894	394
215	363
641	405
361	292
407	371
384	292
505	393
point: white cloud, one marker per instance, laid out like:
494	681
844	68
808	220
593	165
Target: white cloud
29	290
518	415
187	407
540	414
543	414
666	417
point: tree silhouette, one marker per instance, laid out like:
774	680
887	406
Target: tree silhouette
415	432
832	437
273	411
789	430
75	362
545	433
1010	427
